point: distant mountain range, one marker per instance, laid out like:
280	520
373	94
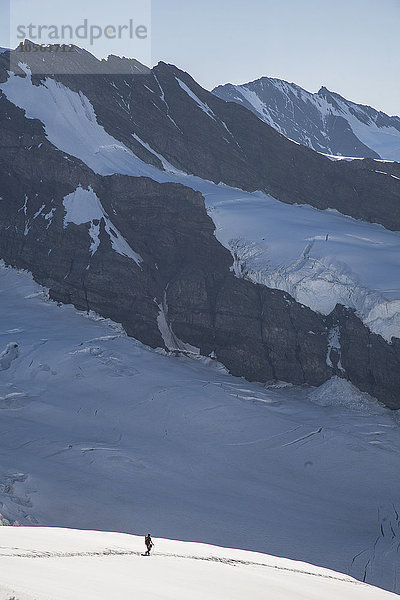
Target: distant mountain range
135	195
325	121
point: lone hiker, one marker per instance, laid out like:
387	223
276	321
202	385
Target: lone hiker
149	544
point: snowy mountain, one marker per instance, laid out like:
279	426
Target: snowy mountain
325	121
227	315
63	564
165	113
92	174
101	432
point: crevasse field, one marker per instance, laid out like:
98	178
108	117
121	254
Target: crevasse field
99	432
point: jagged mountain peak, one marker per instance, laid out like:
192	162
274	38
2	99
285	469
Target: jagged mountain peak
326	121
69	59
130	64
324	91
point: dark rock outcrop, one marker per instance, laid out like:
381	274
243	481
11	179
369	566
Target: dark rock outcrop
367	359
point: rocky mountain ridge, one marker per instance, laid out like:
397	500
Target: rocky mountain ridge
144	254
324	121
166	114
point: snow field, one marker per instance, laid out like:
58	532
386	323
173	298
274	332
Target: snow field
39	563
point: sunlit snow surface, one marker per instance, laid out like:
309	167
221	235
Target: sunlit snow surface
99	432
320	257
64	564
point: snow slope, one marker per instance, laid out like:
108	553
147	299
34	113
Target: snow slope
39	563
62	110
99	432
83	206
319	257
383	139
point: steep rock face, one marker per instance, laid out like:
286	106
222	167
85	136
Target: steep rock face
256	332
165	114
325	121
368	361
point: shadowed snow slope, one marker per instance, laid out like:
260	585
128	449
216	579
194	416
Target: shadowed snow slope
99	432
39	563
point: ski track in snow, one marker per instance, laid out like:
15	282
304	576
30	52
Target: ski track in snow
320	257
227	561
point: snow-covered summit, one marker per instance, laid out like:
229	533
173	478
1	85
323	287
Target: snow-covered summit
324	121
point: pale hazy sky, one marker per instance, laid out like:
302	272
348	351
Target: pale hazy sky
350	46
